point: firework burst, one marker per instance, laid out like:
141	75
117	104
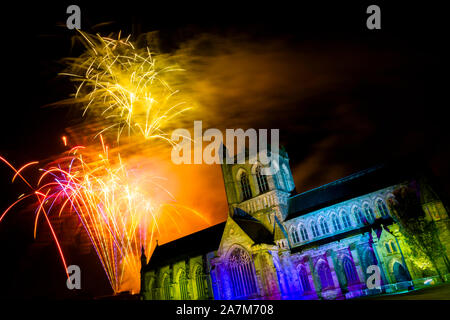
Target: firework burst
121	210
121	207
129	89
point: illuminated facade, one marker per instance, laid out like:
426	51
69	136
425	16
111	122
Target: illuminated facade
315	245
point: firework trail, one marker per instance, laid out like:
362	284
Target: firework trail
124	89
120	211
129	89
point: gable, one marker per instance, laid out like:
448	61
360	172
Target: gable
245	232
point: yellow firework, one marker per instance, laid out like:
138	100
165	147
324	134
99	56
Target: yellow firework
128	88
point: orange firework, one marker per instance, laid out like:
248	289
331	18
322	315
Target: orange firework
121	211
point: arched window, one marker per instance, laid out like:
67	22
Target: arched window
324	226
345	219
326	280
166	288
304	280
369	213
304	233
295	237
262	181
183	283
151	290
349	270
200	283
336	223
314	229
246	192
400	272
393	246
358	215
382	208
242	273
388	247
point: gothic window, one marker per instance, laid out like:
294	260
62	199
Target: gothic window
336	223
382	208
166	288
345	219
151	290
400	272
242	273
388	247
324	226
245	185
304	233
295	237
326	280
262	181
349	270
393	246
358	215
369	213
304	280
314	229
199	283
183	283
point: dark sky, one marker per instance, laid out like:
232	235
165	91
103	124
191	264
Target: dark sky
344	97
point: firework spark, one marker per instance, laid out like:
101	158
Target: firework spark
127	88
121	211
121	207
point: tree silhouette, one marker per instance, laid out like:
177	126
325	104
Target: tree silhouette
420	231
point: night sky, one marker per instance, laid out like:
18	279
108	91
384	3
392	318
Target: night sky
344	97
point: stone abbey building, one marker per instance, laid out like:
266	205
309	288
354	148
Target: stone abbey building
319	244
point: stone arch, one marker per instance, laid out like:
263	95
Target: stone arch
150	283
399	271
304	278
357	214
335	222
368	212
348	268
323	224
313	225
382	207
303	232
260	180
239	171
182	281
199	280
165	287
244	184
242	273
345	218
369	258
294	234
323	274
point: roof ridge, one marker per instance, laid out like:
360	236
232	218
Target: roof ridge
191	234
346	178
